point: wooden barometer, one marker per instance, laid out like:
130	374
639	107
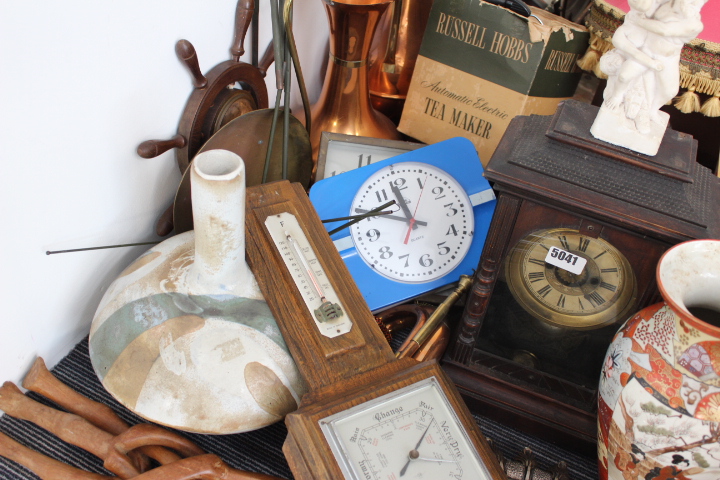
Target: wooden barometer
366	415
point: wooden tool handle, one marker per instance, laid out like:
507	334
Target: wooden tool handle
243	15
206	467
186	53
267	59
68	427
165	223
153	148
145	434
40	380
41	465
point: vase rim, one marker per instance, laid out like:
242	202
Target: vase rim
670	296
218	165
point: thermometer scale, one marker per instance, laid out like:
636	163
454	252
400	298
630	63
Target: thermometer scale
308	274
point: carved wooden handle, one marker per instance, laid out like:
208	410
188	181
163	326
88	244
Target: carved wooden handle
243	15
206	467
186	53
165	223
153	148
43	466
41	380
69	427
267	59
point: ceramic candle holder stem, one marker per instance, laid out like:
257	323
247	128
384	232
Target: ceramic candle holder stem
218	194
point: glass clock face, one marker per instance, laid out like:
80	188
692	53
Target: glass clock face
429	230
344	156
569	279
411	433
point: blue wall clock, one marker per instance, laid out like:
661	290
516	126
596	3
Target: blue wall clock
435	231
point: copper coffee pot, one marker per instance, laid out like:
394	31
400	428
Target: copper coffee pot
344	104
394	52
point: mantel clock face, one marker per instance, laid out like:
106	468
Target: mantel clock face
569	279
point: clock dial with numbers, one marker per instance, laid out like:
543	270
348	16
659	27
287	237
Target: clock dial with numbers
429	231
411	433
340	153
566	278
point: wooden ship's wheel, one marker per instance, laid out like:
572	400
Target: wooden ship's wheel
229	90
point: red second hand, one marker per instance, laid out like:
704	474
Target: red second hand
412	220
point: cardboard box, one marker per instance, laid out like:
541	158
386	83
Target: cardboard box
480	65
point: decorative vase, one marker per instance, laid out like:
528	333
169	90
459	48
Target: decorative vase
344	103
183	337
659	402
393	54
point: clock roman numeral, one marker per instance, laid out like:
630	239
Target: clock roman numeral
584	242
544	291
608	286
561	301
564	242
608	270
536	276
595	299
580	304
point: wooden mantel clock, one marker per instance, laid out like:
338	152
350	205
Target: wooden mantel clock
570	254
366	415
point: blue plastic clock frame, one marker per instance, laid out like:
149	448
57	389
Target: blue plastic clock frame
332	198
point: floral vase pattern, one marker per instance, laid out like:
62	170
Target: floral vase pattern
659	401
183	337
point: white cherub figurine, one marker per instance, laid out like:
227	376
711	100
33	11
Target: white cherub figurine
644	71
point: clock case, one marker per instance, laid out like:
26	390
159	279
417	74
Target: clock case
333	197
549	172
365	148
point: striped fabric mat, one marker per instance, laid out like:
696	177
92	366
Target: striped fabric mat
257	451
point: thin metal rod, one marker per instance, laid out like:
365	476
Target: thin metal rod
362	217
52	252
353	217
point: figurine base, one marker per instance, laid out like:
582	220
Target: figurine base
613	126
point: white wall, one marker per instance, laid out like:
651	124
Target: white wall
82	83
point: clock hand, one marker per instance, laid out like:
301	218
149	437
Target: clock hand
414	454
393	217
401	201
412	219
357	218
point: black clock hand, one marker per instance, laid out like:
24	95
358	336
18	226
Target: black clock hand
401	201
393	217
414	454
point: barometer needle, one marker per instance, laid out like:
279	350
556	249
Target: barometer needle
413	455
